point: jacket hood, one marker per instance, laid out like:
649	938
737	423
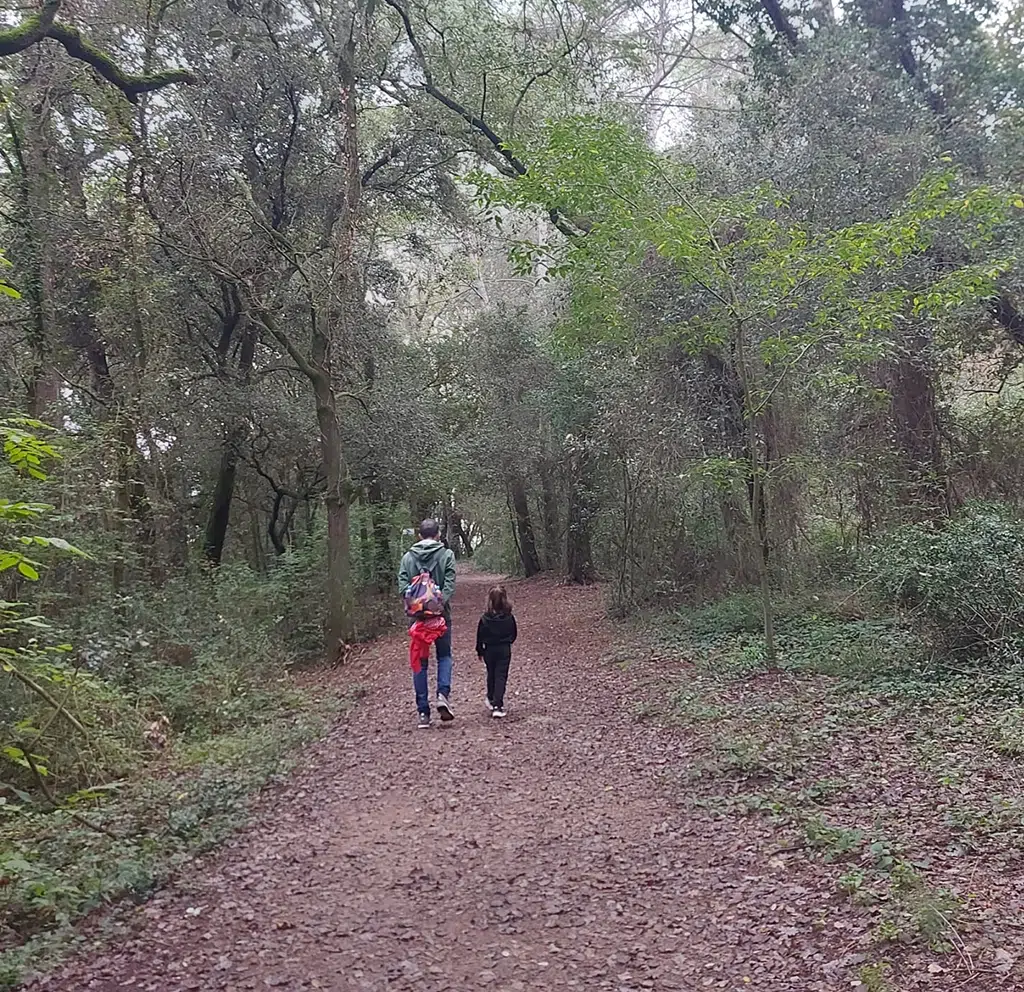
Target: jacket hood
500	624
426	552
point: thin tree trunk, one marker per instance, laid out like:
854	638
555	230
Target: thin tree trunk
578	551
275	530
467	537
730	405
758	501
259	559
524	527
550	514
458	530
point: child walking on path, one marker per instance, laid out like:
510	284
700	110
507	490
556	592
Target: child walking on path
495	635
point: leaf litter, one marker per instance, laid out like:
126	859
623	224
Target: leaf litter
563	848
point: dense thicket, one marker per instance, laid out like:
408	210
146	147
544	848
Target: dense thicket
688	299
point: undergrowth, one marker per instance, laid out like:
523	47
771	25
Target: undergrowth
849	750
54	870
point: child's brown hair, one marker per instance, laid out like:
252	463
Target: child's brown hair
498	601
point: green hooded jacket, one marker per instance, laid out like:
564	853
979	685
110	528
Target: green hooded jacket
431	556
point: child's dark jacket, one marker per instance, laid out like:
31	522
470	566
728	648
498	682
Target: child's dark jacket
495	635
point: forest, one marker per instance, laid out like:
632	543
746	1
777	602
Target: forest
715	304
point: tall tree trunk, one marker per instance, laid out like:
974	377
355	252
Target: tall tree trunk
383	566
36	195
550	514
339	627
224	489
579	558
223	493
916	421
524	527
337	501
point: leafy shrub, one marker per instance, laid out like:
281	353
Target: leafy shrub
737	614
1009	732
815	640
833	556
965	580
53	870
846	648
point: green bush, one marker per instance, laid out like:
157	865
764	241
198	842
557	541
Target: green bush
812	635
964	581
740	613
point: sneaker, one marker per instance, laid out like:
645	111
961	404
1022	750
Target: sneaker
498	713
444	709
424	723
490	705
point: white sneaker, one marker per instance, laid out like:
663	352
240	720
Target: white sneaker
444	709
490	705
497	713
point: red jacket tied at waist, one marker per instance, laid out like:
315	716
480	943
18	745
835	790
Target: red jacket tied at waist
422	634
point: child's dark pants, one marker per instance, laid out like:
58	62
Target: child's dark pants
497	678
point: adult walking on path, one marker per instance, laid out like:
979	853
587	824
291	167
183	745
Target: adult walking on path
430	555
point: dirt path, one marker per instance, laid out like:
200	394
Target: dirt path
543	852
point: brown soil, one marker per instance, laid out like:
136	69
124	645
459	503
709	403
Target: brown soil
548	851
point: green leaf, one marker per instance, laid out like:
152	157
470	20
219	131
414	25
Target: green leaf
28	571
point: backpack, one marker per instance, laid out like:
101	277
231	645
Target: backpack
422	597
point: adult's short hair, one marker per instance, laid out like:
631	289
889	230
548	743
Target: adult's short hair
429	529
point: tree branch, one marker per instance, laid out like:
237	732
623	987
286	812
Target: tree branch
781	22
57	804
35	687
515	165
30	31
132	86
384	159
37	27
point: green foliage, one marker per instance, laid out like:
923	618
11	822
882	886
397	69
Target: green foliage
210	650
1009	732
833	841
811	638
961	579
764	291
54	870
875	977
45	695
751	257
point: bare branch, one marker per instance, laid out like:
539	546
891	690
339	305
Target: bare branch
515	164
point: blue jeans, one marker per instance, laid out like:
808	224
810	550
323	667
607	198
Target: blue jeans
443	647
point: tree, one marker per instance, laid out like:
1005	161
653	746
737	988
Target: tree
764	291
